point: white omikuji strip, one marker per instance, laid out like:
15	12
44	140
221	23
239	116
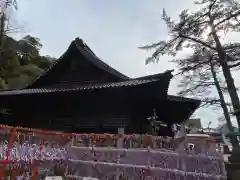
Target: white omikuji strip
177	172
74	177
149	150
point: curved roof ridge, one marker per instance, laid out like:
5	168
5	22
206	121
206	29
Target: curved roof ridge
46	71
158	75
90	56
98	62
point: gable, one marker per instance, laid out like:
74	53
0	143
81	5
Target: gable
81	71
79	65
91	57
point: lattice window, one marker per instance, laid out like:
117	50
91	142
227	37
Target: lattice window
116	122
83	123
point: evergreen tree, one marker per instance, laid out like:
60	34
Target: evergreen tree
204	28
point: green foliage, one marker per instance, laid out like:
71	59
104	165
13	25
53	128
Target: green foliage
20	81
2	84
31	70
29	47
42	62
22	62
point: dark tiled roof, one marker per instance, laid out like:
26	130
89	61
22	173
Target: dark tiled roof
185	106
54	64
89	55
129	83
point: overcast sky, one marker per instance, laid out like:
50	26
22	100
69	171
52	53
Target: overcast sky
114	30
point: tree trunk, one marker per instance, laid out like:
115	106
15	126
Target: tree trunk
232	90
3	30
234	140
2	33
228	78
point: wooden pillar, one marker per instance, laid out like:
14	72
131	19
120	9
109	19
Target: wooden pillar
119	145
120	139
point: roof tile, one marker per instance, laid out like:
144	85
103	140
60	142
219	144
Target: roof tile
129	83
89	55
